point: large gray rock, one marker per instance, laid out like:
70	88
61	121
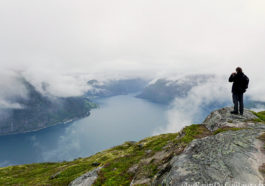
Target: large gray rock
86	179
223	118
231	157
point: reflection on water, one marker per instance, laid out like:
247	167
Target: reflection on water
119	119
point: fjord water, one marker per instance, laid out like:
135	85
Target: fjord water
118	119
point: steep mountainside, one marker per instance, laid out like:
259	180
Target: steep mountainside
40	111
164	91
223	149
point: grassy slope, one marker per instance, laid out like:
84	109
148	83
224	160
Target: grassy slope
115	161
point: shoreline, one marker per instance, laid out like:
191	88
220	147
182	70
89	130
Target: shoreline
69	121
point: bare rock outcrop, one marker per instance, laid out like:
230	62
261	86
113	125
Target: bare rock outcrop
223	118
230	157
86	179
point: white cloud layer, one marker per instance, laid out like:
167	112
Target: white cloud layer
49	41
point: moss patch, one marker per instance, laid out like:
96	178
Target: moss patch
224	129
194	131
260	115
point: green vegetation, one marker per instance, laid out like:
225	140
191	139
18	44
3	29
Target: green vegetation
224	129
90	105
115	162
116	172
260	115
194	131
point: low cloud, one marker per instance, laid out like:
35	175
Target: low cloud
56	83
6	105
11	90
195	106
76	41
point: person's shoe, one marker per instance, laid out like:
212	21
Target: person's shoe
241	114
234	112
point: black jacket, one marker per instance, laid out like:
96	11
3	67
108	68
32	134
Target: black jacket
239	82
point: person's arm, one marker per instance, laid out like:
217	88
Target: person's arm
232	77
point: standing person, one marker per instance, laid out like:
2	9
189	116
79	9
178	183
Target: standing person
240	84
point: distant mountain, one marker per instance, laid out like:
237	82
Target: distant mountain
41	111
164	91
115	87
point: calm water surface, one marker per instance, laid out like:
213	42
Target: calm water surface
119	119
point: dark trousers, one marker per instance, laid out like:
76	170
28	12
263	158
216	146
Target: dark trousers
238	98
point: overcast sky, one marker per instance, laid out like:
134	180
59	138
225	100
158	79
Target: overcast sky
46	40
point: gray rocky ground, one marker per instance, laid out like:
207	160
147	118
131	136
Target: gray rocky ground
223	118
231	157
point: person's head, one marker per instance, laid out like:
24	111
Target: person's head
239	70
